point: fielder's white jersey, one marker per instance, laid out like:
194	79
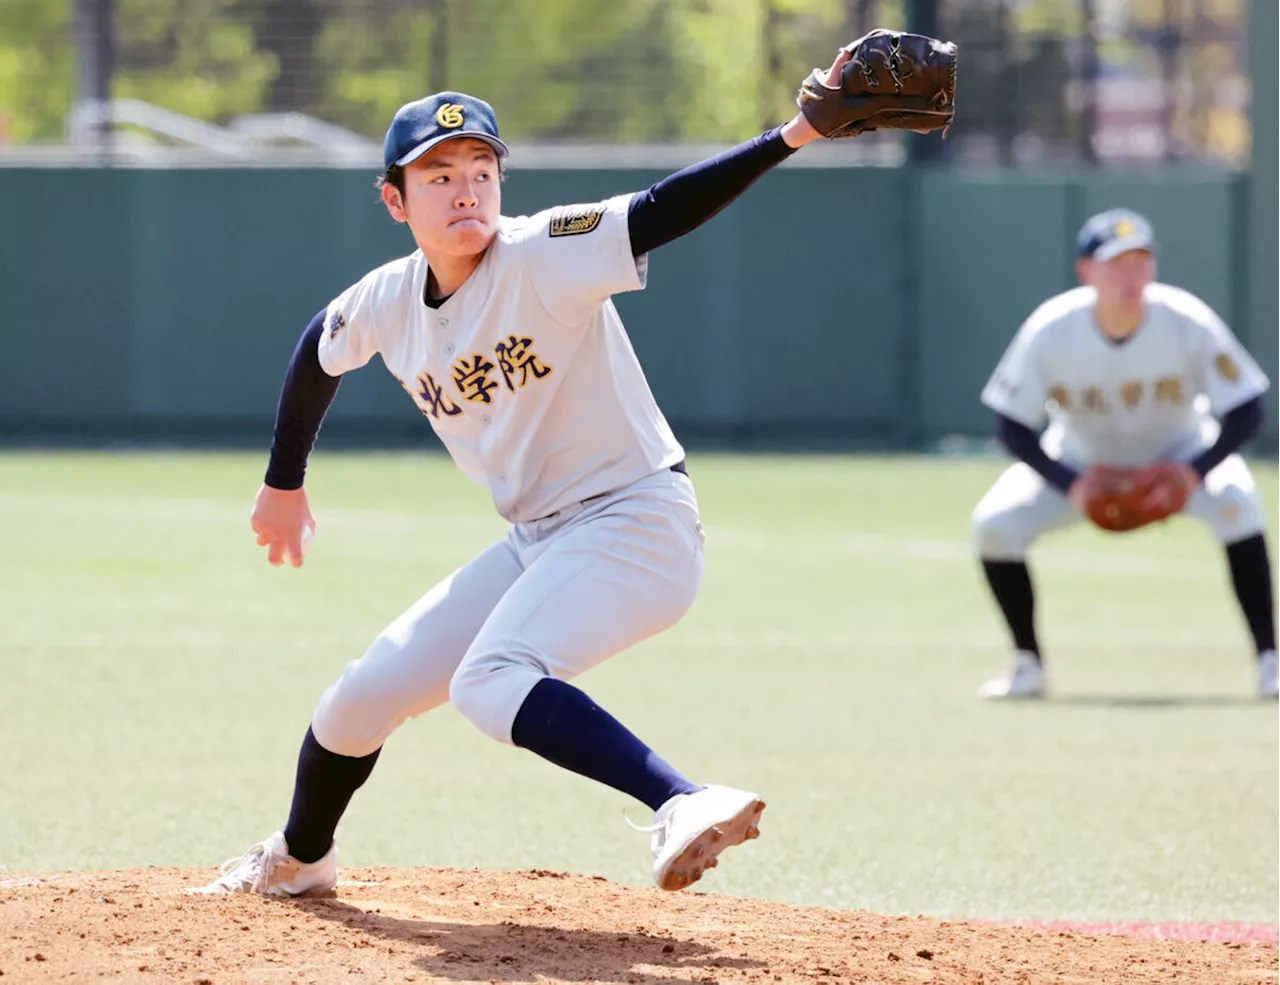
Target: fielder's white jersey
526	372
1156	394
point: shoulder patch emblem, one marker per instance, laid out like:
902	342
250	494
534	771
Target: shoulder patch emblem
575	221
336	324
1227	367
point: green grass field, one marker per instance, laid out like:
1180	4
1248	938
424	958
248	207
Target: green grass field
158	676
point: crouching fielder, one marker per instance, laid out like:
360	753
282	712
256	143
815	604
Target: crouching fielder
1124	371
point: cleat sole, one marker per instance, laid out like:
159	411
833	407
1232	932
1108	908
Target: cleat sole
703	852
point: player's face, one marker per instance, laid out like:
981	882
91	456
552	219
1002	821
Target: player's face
452	198
1121	280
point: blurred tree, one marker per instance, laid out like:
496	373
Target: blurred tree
803	35
569	67
37	69
525	58
647	70
1048	17
1015	75
288	30
198	57
636	71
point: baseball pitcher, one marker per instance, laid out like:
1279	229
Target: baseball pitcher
503	333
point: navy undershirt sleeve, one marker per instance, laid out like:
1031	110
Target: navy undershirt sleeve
1023	443
683	201
304	400
1238	425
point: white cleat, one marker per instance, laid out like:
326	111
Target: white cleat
691	829
268	868
1026	680
1268	667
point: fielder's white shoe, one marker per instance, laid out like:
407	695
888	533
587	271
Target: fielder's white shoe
1026	680
269	869
691	829
1268	668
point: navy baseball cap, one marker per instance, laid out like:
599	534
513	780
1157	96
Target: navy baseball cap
1111	233
419	126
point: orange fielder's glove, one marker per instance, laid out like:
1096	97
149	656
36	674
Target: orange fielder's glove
1121	498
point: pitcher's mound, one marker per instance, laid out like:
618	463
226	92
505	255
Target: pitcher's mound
434	925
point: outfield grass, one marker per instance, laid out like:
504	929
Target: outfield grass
158	675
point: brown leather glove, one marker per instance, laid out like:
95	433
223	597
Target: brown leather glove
1119	498
892	81
1166	487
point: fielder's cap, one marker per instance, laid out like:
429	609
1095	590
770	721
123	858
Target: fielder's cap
419	126
1109	234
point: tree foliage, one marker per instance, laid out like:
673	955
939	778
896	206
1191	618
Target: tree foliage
708	71
36	69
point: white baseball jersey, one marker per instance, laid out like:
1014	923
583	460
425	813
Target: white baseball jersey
526	372
1155	394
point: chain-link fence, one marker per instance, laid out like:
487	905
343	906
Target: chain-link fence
1042	82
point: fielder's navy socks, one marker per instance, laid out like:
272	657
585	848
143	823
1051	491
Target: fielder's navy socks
321	792
1010	583
565	727
1251	578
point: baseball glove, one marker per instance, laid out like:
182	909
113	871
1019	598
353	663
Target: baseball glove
1166	487
892	81
1117	498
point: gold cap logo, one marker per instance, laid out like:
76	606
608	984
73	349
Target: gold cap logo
449	115
1124	228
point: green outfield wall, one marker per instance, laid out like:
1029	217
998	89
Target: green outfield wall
859	306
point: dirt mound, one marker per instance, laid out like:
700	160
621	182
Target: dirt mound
433	925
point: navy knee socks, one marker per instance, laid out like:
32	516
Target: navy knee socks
565	727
